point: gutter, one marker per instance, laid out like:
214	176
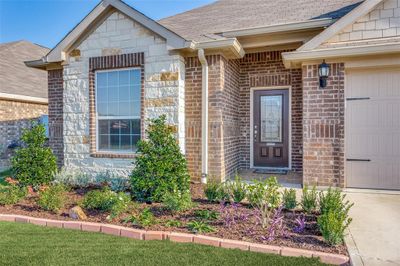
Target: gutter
23	98
296	26
204	116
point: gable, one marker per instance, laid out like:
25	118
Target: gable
382	24
58	53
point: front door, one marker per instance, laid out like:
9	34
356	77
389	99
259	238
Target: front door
271	128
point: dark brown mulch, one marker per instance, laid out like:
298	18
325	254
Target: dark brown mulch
248	229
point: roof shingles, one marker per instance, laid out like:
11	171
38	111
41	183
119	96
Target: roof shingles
224	15
15	76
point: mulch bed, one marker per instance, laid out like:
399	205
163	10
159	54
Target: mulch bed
248	229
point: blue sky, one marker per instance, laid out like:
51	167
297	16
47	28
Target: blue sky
46	22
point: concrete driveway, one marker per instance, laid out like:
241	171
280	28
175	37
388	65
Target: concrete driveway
374	237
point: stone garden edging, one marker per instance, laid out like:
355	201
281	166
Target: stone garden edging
178	237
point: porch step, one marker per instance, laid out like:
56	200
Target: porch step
270	171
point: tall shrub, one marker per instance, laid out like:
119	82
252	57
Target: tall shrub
160	166
34	163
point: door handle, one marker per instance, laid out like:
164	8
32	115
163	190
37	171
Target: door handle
358	160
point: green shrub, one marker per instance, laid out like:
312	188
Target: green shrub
173	223
216	191
34	163
200	227
107	200
332	200
289	198
237	189
333	224
334	218
265	196
143	219
52	198
160	166
11	194
309	199
177	201
206	215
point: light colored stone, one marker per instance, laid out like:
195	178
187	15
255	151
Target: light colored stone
77	213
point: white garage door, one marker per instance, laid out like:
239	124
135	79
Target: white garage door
373	128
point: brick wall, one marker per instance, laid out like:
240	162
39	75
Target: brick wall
229	109
323	127
55	92
15	116
267	70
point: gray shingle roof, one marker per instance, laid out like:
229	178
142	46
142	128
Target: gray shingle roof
15	76
201	23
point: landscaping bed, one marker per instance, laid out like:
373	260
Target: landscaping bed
245	228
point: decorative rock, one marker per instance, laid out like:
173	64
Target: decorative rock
77	213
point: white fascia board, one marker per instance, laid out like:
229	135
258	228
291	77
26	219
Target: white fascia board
232	43
296	26
291	59
348	19
23	98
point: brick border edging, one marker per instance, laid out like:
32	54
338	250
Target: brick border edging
178	237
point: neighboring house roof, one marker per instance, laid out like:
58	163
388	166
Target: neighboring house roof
202	24
15	77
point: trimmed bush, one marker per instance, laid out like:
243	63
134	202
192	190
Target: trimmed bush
160	166
52	198
34	163
107	200
309	199
11	194
177	201
289	199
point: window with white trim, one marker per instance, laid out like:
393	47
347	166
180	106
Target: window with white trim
118	94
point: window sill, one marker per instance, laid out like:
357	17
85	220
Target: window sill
114	155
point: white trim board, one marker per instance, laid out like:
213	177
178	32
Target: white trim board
252	90
23	98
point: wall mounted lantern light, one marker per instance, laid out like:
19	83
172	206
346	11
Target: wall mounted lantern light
323	71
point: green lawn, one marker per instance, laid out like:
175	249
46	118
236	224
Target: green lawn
26	244
3	175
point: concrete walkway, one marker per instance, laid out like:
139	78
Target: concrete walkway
374	237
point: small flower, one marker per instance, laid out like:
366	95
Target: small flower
11	181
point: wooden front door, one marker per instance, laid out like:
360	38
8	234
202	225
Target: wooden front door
271	128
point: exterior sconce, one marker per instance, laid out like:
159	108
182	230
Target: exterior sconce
323	71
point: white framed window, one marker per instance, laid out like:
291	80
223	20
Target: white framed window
118	106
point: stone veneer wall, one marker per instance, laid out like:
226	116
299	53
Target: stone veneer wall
382	24
15	116
265	69
323	127
163	79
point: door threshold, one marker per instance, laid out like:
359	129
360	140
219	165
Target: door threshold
272	171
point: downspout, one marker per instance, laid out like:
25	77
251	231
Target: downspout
204	116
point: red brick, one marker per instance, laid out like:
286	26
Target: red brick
154	235
207	240
334	259
226	243
38	221
132	233
7	218
179	237
265	248
295	252
54	223
73	225
91	227
21	219
111	230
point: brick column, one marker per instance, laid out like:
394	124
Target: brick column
323	127
55	94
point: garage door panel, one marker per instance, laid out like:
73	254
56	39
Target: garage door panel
373	129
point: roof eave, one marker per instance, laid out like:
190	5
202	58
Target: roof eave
297	26
296	58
